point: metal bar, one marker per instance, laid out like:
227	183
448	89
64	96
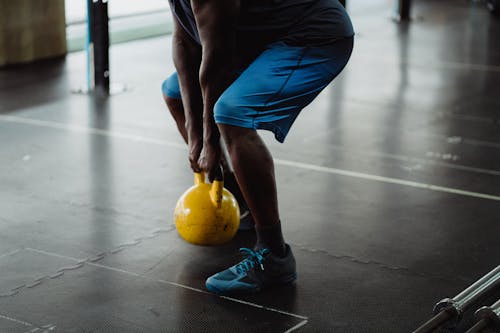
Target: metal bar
452	308
471	294
479	326
496	308
489	316
402	10
100	40
478	289
436	321
88	50
493	6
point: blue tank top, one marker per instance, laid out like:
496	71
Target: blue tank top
295	22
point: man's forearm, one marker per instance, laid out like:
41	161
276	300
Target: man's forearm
216	22
214	79
187	58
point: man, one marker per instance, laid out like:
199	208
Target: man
244	65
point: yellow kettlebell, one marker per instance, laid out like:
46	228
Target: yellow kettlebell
207	214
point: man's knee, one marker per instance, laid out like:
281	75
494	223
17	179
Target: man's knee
172	102
233	135
175	107
170	87
164	88
228	116
224	107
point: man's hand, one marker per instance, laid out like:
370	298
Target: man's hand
210	159
195	149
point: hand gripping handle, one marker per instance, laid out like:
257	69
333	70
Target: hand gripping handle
217	188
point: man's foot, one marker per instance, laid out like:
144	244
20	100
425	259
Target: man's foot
259	270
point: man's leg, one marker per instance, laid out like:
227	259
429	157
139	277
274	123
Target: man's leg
272	261
177	110
269	94
254	169
172	96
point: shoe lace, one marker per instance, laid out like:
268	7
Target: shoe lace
252	258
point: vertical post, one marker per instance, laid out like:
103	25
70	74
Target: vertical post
99	44
403	10
89	51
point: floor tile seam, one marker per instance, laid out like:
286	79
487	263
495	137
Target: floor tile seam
94	207
236	300
11	253
299	165
43	329
39	329
155	265
381	265
110	210
92	262
82	262
296	327
38	280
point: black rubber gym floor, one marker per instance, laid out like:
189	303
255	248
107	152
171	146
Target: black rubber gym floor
389	188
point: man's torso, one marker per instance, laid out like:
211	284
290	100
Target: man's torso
295	22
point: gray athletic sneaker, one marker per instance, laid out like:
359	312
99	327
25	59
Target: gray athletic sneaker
259	270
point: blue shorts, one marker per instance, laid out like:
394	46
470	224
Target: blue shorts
270	93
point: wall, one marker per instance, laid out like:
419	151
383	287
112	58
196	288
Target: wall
31	30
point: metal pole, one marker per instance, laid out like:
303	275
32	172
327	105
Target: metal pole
494	6
89	50
454	307
479	326
435	322
477	289
403	10
487	316
100	44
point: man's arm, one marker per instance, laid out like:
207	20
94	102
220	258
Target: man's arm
187	59
216	22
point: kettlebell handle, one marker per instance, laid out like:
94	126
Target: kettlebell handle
216	189
199	178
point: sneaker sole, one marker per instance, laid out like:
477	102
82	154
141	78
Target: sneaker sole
219	292
282	281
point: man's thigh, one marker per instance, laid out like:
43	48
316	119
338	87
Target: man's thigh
270	93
